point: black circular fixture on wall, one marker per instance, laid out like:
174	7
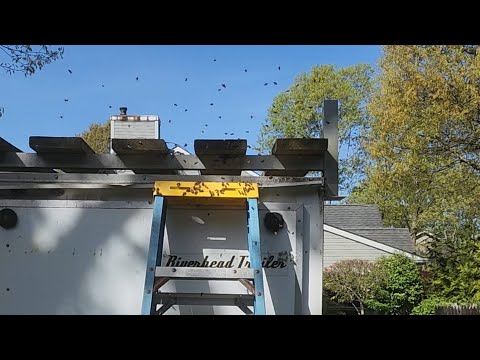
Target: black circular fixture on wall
8	218
274	222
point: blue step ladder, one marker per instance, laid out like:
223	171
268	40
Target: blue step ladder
156	302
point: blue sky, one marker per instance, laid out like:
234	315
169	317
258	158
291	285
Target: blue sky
33	105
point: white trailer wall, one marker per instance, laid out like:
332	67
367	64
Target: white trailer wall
88	257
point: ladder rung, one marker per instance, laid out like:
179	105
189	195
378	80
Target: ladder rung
204	299
197	273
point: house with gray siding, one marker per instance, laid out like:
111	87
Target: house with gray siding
357	232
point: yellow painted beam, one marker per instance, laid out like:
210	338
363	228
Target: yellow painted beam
200	189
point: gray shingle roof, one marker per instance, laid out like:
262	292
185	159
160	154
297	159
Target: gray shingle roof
366	221
353	216
397	238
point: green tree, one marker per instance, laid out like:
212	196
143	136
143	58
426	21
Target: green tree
27	59
350	281
98	137
297	113
424	143
455	263
398	288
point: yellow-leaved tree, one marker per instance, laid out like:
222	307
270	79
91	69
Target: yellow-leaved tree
98	137
425	137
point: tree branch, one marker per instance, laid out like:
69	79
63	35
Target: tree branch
25	59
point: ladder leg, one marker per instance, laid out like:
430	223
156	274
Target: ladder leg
167	305
154	252
256	256
245	309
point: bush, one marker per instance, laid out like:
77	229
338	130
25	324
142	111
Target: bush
429	306
398	288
